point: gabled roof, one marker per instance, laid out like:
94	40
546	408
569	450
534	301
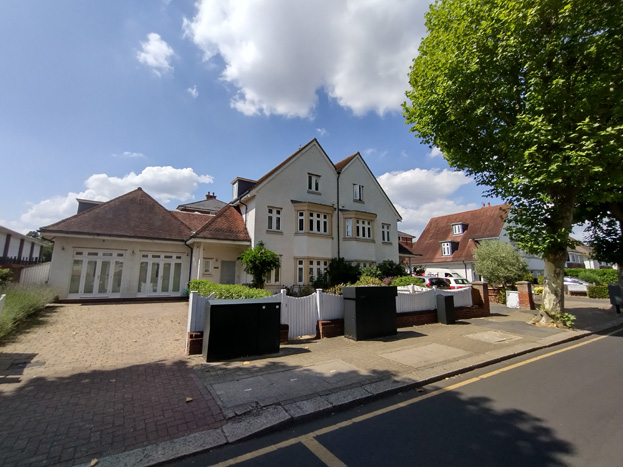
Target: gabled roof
344	162
486	222
286	161
133	215
226	225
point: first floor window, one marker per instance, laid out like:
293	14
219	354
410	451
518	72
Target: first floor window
385	232
349	227
274	219
364	229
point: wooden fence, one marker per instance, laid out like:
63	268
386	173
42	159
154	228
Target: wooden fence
35	275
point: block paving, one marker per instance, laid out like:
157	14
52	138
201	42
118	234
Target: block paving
87	381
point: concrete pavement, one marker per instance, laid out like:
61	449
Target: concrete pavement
111	381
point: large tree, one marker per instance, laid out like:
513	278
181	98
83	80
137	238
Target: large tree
526	96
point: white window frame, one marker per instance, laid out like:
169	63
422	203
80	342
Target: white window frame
457	229
446	248
357	192
207	266
363	228
349	227
385	229
313	183
274	219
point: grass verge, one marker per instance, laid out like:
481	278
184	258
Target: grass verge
20	303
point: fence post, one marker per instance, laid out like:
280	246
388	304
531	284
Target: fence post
192	304
318	302
2	302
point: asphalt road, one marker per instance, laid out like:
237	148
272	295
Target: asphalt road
560	406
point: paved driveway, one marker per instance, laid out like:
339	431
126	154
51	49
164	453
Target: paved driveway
92	380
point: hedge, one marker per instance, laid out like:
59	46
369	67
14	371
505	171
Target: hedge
597	291
607	276
407	280
227	291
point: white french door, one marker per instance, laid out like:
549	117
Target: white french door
160	274
96	273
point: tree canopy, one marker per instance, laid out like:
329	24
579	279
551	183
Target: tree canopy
526	96
500	263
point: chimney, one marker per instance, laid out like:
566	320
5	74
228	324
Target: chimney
210	196
488	204
483	205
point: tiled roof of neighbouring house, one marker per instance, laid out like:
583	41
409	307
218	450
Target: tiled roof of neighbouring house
486	222
192	219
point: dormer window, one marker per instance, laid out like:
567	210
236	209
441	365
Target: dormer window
448	247
458	228
313	183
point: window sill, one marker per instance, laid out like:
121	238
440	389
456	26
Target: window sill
356	239
275	232
311	192
387	243
312	234
360	201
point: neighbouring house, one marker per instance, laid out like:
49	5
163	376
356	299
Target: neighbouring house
448	241
580	256
307	209
18	251
406	253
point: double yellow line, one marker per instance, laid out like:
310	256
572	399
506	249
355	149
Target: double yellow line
309	440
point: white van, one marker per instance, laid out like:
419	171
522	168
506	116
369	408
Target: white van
442	272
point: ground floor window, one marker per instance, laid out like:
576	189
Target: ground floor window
309	269
160	273
96	272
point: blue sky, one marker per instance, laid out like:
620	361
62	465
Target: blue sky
181	97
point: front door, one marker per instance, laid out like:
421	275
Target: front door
228	272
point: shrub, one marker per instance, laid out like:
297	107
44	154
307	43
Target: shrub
540	279
389	268
5	276
372	271
259	261
606	276
227	291
597	291
538	290
367	280
499	263
589	276
21	302
407	280
339	271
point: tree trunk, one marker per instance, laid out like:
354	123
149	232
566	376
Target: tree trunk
553	286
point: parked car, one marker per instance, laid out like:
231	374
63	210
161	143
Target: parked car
458	282
575	285
439	282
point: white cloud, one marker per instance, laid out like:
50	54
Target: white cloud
130	155
321	131
162	183
414	187
279	53
435	152
420	194
193	91
156	54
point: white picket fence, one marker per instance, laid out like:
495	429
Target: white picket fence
302	314
35	275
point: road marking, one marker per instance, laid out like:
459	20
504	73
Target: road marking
309	440
321	452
